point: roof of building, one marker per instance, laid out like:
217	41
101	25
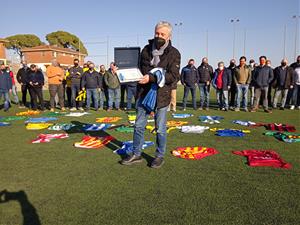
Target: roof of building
3	40
51	48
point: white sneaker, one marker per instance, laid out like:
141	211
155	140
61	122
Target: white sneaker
298	107
73	109
81	109
292	107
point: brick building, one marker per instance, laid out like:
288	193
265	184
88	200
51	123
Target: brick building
44	54
3	50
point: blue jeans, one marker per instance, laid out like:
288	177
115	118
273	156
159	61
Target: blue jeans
131	93
91	93
114	96
75	88
161	130
15	94
204	95
222	98
186	94
101	98
5	95
296	91
242	94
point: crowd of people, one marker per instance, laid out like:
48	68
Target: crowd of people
234	84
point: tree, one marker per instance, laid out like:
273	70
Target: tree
66	40
19	41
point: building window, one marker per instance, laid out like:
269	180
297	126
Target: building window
54	54
64	54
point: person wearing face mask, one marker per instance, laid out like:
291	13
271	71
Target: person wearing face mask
189	78
296	90
241	78
113	84
222	83
159	53
251	85
35	82
262	77
283	81
75	74
205	75
5	86
233	91
55	76
90	82
21	78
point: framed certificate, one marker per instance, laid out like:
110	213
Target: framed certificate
129	75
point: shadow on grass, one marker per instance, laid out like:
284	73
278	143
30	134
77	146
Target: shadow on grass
30	216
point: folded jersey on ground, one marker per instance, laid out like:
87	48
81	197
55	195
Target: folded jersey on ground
193	153
127	147
181	115
108	119
38	126
93	142
263	158
40	120
96	127
43	138
62	126
210	119
287	137
193	129
28	113
244	123
230	133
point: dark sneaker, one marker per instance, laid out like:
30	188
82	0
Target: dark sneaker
131	160
157	162
281	108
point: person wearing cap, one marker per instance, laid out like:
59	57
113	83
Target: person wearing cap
5	86
55	76
35	83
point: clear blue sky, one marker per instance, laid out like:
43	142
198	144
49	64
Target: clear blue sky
131	23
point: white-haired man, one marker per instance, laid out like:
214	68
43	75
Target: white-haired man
159	53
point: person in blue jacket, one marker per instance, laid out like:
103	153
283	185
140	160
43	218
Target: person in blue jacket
5	86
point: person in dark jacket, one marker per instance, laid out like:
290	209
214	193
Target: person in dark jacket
35	82
114	87
222	83
189	78
75	74
5	86
21	78
102	87
295	93
205	75
90	82
232	93
159	53
283	81
262	77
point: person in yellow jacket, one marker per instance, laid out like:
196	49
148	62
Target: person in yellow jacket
68	87
55	76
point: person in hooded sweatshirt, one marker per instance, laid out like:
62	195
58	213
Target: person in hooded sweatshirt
159	53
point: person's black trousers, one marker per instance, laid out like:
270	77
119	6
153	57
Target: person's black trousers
36	93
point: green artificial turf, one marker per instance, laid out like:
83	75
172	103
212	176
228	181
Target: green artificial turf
56	183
